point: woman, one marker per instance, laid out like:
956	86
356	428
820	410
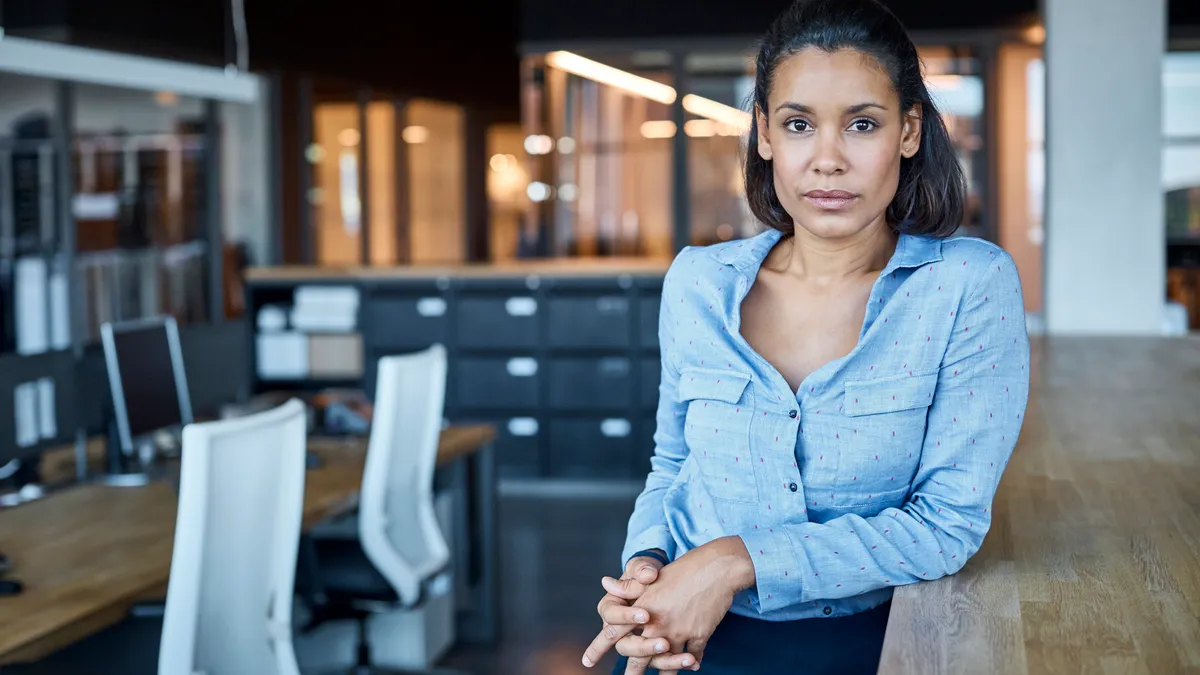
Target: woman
840	394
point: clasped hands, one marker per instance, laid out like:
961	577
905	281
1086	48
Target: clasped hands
662	617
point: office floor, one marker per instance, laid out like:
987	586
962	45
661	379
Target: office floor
553	553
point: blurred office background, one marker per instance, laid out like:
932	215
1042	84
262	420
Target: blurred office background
511	179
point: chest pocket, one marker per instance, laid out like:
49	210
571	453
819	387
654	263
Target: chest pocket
887	419
717	431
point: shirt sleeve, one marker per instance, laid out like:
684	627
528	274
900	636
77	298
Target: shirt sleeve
648	524
971	430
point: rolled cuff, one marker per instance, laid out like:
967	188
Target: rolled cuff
779	578
658	537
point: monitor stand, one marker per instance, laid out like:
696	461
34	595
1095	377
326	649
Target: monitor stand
122	470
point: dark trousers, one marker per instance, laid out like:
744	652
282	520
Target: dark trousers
847	645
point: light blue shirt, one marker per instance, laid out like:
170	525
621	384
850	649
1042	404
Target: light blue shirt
880	471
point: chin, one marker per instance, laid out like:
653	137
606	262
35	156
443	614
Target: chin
833	225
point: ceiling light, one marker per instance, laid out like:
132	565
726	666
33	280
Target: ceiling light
613	77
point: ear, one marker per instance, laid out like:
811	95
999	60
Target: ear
910	136
764	137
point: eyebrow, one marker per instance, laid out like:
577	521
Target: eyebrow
852	110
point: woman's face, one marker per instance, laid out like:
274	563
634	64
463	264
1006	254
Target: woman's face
835	135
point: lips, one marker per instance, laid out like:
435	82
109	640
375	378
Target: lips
830	200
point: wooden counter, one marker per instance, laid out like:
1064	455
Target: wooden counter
1093	562
559	267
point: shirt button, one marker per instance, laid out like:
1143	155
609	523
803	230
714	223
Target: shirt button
792	414
793	487
828	611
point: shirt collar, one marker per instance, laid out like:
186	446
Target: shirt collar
747	255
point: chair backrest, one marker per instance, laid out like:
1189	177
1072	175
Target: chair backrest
397	524
241	500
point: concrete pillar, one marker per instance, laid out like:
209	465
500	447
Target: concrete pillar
1105	260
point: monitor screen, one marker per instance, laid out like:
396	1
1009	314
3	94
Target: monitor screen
145	364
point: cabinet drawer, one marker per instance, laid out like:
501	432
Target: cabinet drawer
498	322
517	447
591	448
405	323
648	322
594	322
650	378
591	384
643	447
496	383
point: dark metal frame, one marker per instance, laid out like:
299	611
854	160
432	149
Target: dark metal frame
681	187
364	186
403	198
274	253
304	105
213	236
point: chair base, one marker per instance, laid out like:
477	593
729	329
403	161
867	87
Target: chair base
404	640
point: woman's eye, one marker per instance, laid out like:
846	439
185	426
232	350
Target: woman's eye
863	125
799	126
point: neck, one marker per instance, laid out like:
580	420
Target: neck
830	261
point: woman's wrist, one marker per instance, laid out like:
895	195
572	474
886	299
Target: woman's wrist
736	565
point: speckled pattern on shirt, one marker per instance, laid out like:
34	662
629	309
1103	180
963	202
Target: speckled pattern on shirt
880	471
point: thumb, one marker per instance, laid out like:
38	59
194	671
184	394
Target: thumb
645	570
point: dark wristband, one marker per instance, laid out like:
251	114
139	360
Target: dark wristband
651	554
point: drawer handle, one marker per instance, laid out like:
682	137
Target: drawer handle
520	306
611	305
614	366
616	428
429	307
523	426
522	367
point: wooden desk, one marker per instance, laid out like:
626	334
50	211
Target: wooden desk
1092	564
88	553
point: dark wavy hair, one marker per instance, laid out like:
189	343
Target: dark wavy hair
932	191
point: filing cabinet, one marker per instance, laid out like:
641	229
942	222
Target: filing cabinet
648	382
591	448
590	322
518	444
497	322
566	368
405	322
648	307
497	383
591	384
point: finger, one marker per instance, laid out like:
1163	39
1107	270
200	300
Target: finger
623	615
637	665
638	646
643	569
696	649
604	641
625	588
670	664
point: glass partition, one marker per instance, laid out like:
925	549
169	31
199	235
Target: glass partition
954	77
1181	144
716	149
140	163
598	166
411	201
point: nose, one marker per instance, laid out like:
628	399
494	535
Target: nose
828	158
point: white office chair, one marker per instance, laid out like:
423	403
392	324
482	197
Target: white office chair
390	578
241	499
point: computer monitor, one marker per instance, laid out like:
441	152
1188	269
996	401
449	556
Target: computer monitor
146	375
